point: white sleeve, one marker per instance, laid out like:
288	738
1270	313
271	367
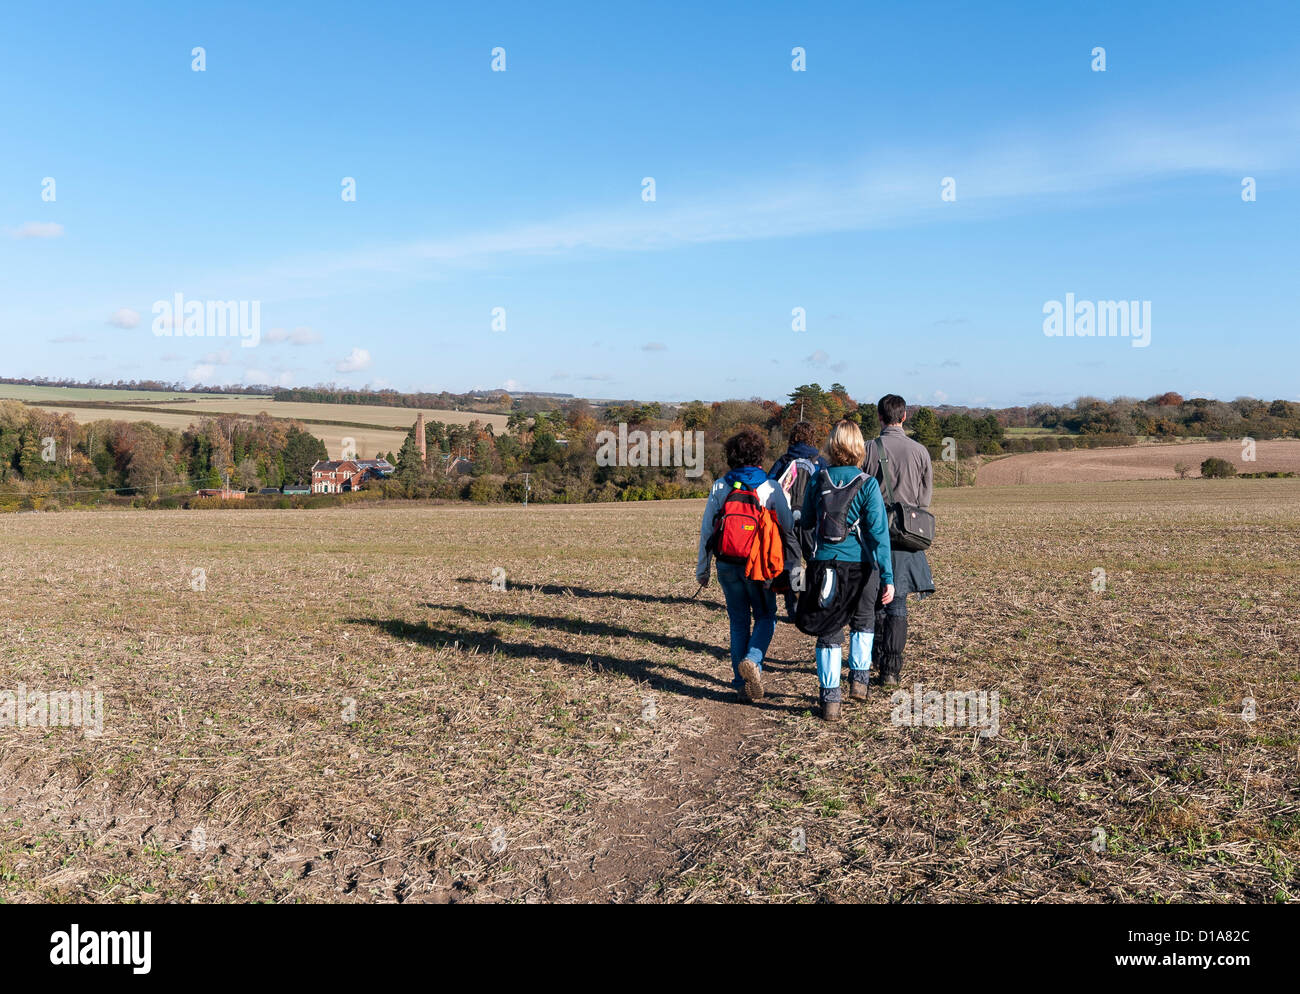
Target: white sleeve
704	557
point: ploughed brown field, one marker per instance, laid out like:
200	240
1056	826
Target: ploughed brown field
346	710
1135	462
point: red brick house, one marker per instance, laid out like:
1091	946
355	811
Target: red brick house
341	475
336	476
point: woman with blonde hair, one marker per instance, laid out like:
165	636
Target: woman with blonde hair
845	518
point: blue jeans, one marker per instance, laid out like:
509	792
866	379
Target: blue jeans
745	598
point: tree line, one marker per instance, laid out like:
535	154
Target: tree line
48	454
549	454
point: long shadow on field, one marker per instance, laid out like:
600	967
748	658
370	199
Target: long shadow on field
560	589
426	634
578	626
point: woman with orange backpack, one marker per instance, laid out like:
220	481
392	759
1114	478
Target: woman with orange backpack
748	528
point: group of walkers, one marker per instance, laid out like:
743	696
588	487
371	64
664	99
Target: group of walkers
817	529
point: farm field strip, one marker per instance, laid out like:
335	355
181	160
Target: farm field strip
369	441
40	395
1135	462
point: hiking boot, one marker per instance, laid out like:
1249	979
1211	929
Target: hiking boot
753	677
859	690
889	680
830	703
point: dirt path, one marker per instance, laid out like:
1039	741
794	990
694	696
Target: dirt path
640	844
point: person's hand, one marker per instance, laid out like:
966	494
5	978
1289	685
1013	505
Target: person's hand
702	579
888	595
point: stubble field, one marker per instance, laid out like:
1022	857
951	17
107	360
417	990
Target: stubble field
1136	462
346	710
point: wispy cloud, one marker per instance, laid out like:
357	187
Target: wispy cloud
301	335
1006	174
37	229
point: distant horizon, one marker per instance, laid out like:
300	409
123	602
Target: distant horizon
864	400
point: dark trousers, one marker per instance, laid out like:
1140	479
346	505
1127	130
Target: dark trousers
862	585
891	636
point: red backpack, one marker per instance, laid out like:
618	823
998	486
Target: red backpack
736	525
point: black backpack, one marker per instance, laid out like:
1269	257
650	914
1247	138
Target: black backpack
833	508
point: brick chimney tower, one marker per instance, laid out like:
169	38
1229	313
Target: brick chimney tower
419	437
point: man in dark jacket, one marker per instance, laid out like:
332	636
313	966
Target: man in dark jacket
912	477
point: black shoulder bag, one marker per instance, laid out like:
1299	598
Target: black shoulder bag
910	528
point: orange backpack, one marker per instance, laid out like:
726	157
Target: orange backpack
767	555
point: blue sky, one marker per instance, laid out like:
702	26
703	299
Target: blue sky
775	189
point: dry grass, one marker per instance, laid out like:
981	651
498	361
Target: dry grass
1136	462
503	747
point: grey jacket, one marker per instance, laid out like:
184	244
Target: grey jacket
913	474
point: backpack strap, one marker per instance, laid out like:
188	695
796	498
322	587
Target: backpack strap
858	482
884	471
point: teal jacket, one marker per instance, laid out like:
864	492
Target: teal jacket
868	507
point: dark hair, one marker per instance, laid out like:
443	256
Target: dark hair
892	409
803	433
745	448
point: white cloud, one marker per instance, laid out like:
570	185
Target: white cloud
201	372
38	229
221	358
124	317
654	347
357	359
